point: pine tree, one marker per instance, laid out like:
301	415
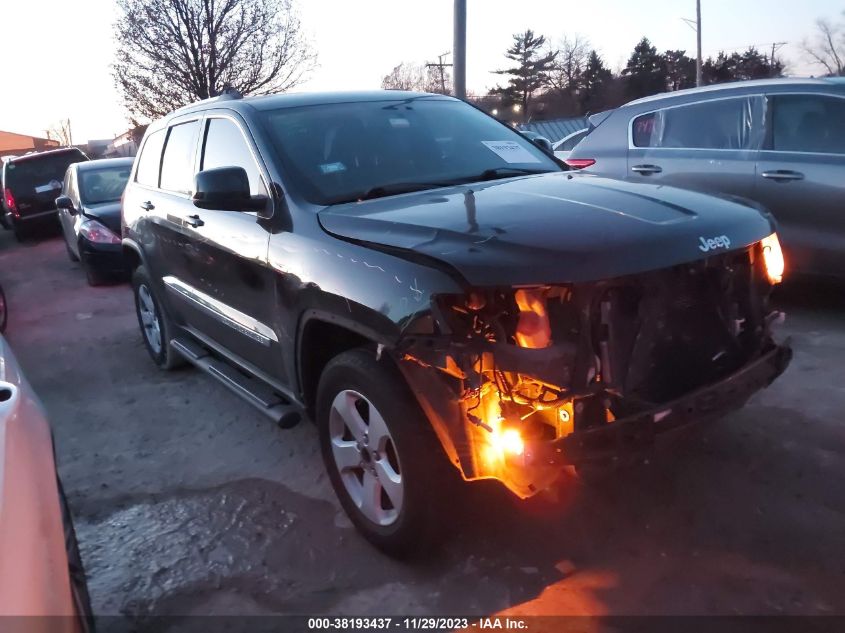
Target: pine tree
645	73
531	67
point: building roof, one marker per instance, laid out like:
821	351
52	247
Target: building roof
557	129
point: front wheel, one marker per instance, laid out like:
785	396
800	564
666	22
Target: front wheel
382	456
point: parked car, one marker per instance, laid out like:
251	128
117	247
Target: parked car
778	142
41	572
89	212
438	295
4	222
540	141
564	146
30	185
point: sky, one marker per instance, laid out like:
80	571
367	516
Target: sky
58	53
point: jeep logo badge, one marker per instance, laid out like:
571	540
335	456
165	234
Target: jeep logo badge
711	244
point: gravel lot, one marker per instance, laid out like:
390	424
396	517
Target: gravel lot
187	501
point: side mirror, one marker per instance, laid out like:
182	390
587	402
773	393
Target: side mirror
64	202
543	143
225	189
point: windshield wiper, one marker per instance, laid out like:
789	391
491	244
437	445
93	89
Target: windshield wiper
393	189
505	172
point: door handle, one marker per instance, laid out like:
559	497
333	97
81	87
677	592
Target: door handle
147	206
783	175
194	221
646	170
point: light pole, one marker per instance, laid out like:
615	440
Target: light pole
698	76
696	26
459	58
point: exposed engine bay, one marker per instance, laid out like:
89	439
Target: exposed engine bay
516	377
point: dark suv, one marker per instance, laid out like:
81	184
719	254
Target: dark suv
31	184
437	295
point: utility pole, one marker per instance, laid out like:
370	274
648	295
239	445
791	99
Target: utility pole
698	74
695	25
460	49
442	66
776	46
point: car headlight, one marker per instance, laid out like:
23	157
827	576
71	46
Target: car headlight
95	232
773	258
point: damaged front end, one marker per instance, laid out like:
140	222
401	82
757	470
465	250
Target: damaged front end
519	382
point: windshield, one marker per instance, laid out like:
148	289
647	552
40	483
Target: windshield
103	185
352	151
40	174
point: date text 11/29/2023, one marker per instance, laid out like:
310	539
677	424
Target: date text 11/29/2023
417	624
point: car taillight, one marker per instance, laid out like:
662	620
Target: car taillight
579	163
10	202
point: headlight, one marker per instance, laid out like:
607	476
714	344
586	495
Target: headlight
95	232
773	258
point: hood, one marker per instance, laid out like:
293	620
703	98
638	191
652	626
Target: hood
106	213
551	228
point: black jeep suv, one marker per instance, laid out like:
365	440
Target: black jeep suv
437	295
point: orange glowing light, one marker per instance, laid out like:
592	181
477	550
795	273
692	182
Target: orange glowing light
509	441
773	258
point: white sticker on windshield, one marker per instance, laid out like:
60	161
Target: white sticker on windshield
50	186
332	168
511	152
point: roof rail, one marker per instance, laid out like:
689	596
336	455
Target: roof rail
227	94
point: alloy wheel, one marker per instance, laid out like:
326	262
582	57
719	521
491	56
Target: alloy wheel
366	457
149	318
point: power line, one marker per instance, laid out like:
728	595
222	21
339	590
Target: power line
442	66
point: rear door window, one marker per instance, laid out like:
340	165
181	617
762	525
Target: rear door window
808	123
721	124
150	160
177	164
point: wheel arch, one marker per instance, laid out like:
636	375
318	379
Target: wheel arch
323	336
133	254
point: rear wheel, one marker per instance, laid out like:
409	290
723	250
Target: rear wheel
21	233
384	461
156	328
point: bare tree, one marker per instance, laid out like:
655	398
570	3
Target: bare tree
827	48
417	77
60	132
173	52
564	75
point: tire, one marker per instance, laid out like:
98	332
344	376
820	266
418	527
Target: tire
407	519
70	254
4	311
94	278
21	233
161	329
4	219
76	570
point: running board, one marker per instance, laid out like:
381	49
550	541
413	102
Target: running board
253	390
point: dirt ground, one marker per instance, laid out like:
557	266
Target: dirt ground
187	501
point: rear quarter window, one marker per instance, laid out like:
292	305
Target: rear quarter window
150	160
